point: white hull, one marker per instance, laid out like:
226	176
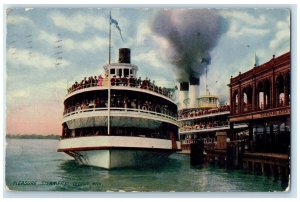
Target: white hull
118	151
116	158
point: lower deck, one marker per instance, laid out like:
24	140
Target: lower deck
110	142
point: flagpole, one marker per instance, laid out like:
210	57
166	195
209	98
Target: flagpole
109	93
109	46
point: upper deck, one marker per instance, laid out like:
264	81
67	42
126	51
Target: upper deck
204	120
131	84
202	113
121	76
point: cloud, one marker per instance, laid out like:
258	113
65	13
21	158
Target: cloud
143	33
34	93
152	58
88	45
153	65
28	9
16	20
242	24
18	94
237	29
37	60
282	37
145	37
93	43
45	36
245	18
59	84
78	22
38	92
69	44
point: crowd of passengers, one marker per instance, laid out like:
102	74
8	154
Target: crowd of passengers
119	131
186	141
121	102
120	81
200	112
205	125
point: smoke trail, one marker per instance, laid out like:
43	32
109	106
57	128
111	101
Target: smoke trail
192	33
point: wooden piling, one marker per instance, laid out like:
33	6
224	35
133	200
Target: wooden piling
262	168
197	156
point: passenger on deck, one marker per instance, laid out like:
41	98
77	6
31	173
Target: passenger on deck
92	104
95	81
113	80
131	81
84	82
134	104
150	106
125	81
118	81
78	107
100	79
91	81
144	84
138	82
119	103
145	106
112	102
97	102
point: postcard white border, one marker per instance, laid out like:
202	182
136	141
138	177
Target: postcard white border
175	3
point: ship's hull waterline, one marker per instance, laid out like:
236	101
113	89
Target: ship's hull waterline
120	158
118	152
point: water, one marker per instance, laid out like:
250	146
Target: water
34	165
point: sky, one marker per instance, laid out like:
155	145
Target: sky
48	49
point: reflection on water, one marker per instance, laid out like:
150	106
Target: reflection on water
38	162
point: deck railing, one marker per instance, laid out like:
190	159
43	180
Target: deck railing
199	128
165	114
201	112
162	91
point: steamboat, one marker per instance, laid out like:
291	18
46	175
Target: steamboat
202	117
119	120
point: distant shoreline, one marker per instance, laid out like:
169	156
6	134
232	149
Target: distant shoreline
33	136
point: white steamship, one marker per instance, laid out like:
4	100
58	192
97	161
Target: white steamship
119	120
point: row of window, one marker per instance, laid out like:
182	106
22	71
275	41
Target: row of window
122	72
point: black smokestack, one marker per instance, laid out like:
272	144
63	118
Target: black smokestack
194	81
184	86
192	34
124	55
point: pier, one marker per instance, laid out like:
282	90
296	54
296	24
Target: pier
232	155
259	98
273	164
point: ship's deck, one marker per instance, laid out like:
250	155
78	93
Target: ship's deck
134	83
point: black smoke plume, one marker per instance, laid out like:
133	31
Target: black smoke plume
192	34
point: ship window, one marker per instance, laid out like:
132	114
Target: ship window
131	71
120	72
112	71
126	72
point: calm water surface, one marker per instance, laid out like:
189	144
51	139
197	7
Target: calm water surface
34	165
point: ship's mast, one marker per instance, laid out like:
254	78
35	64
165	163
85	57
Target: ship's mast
109	38
109	91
